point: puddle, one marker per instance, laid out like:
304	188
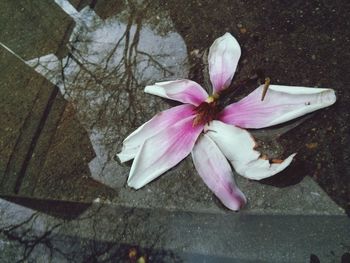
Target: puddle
100	56
109	63
112	53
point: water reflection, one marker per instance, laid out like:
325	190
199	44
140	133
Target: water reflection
110	60
30	236
109	63
105	233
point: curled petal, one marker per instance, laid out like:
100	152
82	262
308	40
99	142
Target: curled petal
261	168
159	122
183	90
281	104
163	151
216	172
238	147
223	58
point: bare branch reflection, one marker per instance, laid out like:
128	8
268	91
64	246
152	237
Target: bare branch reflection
89	238
109	63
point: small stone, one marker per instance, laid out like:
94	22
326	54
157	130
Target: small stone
132	253
311	145
243	30
195	52
97	200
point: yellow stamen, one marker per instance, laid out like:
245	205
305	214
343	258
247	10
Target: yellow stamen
266	86
212	98
215	95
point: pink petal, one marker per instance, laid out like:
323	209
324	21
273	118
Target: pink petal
159	122
238	147
281	104
216	172
183	90
163	151
223	58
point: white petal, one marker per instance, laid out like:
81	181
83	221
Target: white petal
216	172
281	104
163	151
183	90
238	147
159	122
223	58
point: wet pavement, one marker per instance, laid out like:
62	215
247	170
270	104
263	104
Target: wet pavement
72	79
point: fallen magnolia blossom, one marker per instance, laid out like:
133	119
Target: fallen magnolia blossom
216	137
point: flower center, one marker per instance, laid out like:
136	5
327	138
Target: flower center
206	111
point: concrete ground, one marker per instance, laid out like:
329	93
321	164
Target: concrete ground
71	90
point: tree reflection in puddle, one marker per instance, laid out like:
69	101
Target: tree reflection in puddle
109	62
28	235
103	76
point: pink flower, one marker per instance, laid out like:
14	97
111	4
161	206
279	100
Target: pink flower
215	139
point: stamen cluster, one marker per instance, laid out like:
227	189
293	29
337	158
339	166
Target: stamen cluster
206	111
